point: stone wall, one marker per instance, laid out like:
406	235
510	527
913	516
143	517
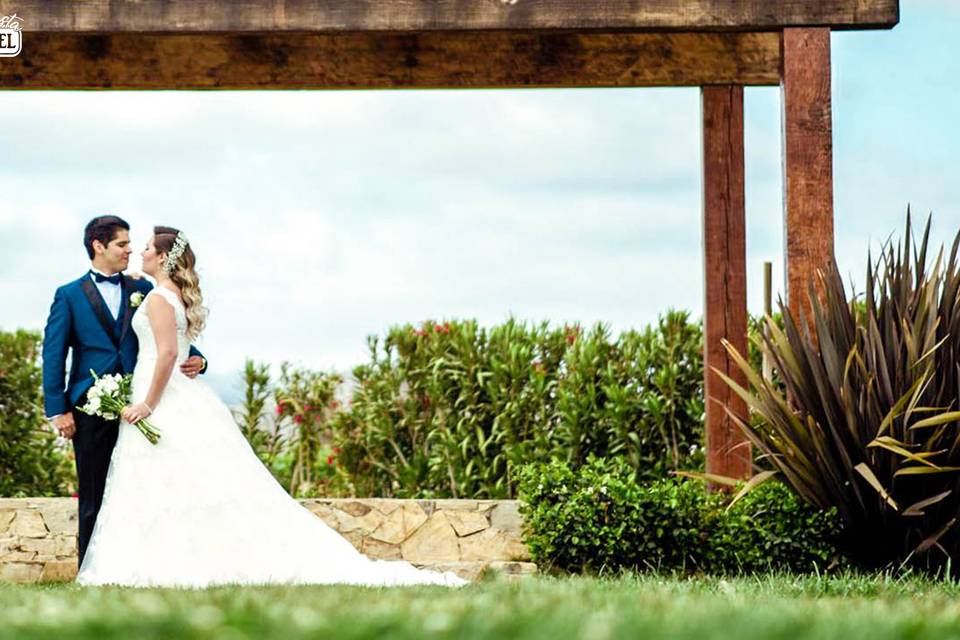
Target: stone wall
38	536
38	539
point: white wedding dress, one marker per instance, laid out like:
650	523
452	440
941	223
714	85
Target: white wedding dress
199	508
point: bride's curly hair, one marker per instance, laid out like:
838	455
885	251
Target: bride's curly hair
185	277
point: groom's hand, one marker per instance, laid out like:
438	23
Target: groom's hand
65	425
192	366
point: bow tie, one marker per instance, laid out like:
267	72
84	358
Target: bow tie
114	279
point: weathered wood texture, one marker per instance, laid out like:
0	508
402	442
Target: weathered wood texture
808	161
115	16
725	277
431	60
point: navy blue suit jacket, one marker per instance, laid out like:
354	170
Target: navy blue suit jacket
80	320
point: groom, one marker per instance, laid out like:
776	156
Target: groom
91	316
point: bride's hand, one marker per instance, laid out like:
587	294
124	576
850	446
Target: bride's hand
135	413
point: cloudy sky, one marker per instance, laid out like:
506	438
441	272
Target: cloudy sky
322	217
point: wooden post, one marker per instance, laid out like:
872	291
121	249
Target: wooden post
767	364
725	277
807	161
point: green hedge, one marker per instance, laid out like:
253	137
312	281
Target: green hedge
453	409
293	440
599	518
32	462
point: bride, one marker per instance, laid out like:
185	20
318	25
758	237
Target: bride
199	508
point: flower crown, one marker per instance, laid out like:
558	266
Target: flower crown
175	252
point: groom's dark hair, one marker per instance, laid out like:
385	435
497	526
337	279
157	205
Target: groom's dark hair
104	229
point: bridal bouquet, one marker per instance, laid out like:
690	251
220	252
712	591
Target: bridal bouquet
107	398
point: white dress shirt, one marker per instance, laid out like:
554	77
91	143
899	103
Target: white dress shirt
112	293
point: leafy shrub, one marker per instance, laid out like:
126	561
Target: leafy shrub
599	518
866	420
453	410
252	416
771	527
295	443
306	399
32	461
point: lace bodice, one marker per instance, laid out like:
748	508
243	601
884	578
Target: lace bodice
141	326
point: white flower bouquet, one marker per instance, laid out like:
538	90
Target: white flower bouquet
107	398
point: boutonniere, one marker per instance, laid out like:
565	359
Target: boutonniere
135	299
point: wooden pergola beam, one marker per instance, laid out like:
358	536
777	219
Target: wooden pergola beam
371	61
413	16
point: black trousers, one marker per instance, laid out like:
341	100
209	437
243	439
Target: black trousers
93	445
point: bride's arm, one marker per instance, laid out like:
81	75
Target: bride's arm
164	325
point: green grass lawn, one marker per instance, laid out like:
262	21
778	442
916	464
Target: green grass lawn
644	607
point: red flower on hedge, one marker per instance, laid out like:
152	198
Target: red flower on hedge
572	332
298	418
329	459
334	404
280	409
